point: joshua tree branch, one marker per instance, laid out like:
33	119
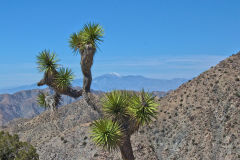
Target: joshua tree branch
48	80
41	83
73	92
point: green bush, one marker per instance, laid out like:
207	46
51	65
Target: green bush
13	149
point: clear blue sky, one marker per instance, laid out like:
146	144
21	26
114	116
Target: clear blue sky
154	38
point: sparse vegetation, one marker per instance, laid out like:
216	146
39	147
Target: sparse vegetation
13	149
237	94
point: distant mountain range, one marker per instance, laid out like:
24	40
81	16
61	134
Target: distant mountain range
20	102
108	82
23	104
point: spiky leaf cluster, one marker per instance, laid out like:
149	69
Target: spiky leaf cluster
41	99
106	133
47	61
76	42
115	104
143	108
91	33
140	107
64	78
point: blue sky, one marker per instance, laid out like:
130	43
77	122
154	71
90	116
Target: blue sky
154	38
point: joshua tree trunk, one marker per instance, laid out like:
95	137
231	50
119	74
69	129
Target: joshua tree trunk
87	80
126	149
86	64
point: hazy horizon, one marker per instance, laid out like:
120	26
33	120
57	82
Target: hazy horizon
81	78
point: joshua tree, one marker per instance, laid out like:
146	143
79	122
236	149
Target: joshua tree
86	42
59	79
124	113
49	101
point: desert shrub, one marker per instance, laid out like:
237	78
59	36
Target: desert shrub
13	149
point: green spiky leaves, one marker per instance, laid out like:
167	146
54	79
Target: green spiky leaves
126	111
143	108
41	100
47	61
64	78
106	133
115	104
91	33
76	42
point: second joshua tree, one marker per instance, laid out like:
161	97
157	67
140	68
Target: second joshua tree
86	42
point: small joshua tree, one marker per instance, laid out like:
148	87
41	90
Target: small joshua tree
59	79
49	101
124	113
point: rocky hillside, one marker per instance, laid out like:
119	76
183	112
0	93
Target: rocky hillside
199	120
67	135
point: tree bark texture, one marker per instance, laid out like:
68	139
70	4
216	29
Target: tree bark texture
86	64
126	149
